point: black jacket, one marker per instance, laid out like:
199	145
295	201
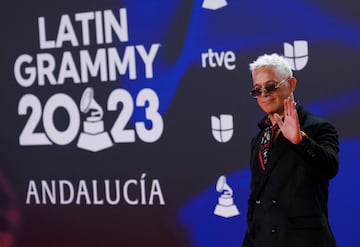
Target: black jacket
287	205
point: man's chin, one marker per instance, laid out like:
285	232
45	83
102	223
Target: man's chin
268	110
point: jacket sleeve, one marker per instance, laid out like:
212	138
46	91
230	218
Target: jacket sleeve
320	151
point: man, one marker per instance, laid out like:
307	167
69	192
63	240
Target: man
293	157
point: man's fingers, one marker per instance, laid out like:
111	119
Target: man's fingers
289	107
292	107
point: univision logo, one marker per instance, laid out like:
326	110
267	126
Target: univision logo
222	127
297	55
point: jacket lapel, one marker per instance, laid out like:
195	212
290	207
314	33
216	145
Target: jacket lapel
275	154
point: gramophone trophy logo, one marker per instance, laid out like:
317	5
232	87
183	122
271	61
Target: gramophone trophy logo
94	138
214	4
225	207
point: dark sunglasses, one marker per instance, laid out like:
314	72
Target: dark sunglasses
268	89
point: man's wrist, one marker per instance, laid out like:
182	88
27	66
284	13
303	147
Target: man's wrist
303	136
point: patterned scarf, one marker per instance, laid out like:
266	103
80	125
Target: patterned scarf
266	141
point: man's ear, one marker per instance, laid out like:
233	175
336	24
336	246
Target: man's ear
292	82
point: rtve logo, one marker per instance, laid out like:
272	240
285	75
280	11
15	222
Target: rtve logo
218	59
297	55
222	127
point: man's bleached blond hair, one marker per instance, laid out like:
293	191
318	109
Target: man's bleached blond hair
277	62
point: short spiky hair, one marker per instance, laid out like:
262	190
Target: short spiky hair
280	65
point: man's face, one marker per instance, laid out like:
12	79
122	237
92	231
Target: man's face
271	102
